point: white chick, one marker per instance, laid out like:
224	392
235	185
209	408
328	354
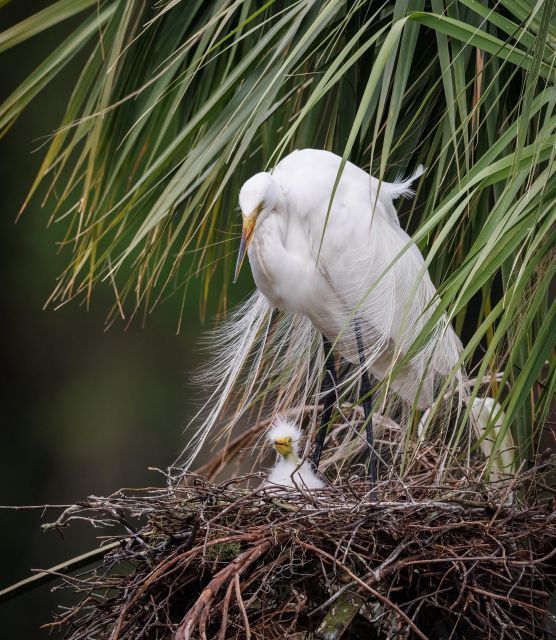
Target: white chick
289	471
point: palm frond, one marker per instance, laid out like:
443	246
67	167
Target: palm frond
178	103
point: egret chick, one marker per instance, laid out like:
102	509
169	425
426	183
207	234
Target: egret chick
289	471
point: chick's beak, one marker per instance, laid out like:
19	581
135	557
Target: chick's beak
282	446
246	237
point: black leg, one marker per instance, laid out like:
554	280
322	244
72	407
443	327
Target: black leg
367	409
329	397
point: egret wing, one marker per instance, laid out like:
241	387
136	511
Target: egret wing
377	274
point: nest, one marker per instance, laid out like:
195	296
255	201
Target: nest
198	559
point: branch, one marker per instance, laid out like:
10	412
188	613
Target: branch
49	575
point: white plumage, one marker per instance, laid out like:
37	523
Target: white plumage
289	470
367	267
489	420
362	270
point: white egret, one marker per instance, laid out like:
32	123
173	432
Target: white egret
328	251
360	281
289	470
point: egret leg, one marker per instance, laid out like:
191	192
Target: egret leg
367	410
329	397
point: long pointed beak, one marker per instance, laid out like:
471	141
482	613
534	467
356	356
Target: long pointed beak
246	237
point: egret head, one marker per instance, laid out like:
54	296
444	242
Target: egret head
258	195
284	436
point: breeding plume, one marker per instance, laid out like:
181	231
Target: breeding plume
360	281
289	470
327	250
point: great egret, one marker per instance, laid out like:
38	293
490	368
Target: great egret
326	248
289	470
360	281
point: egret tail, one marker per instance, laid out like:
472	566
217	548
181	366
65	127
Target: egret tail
402	188
496	444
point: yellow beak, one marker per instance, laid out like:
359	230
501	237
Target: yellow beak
246	237
283	446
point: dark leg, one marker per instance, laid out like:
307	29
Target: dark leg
367	409
329	397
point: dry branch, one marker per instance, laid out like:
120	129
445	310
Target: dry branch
204	560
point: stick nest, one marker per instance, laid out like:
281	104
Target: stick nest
203	560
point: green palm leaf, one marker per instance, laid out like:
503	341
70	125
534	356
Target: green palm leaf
177	104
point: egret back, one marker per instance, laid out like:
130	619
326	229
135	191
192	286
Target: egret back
371	276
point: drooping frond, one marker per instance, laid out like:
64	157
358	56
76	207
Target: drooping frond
176	104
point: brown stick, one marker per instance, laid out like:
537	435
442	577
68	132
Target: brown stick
242	607
237	566
161	569
225	606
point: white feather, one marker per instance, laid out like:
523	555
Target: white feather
488	418
284	428
402	188
290	472
364	268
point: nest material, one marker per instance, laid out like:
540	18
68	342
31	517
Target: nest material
204	560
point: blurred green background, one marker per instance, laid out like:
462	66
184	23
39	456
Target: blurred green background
86	410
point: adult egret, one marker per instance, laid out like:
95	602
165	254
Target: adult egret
326	248
361	281
289	470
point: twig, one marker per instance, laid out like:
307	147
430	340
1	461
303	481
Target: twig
44	577
203	602
242	608
372	591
